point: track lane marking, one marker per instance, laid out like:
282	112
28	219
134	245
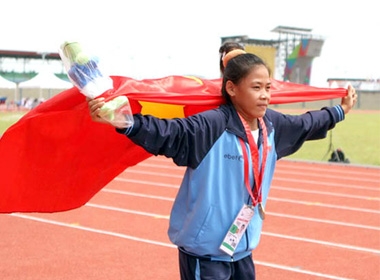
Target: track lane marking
314	241
325	205
308	182
270	213
174	186
100	231
327	193
168	245
310	170
308	272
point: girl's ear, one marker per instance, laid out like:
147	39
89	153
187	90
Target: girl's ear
230	88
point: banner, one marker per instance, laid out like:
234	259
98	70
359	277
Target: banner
55	158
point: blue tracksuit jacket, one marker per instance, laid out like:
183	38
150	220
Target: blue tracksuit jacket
213	191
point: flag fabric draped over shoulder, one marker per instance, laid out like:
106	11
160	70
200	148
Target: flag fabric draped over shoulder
55	158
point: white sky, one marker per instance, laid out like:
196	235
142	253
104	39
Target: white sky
151	38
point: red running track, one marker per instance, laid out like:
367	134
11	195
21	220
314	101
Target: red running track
323	222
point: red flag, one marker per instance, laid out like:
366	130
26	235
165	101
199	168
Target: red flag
55	158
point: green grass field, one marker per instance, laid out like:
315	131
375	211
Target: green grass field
358	136
8	118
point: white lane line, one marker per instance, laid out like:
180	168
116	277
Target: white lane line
324	221
302	202
317	174
337	185
156	174
129	211
314	241
356	169
269	213
169	166
138	194
331	244
311	171
143	182
105	232
164	244
327	193
296	181
319	204
308	272
279	178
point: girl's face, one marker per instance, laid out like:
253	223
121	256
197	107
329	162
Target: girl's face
251	95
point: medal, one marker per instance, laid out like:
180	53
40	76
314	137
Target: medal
261	211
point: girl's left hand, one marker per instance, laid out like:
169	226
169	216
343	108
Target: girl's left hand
349	100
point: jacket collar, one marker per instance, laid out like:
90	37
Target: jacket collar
234	124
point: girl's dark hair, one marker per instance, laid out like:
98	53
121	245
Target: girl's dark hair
238	68
226	48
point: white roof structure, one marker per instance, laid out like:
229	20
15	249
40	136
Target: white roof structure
46	80
4	83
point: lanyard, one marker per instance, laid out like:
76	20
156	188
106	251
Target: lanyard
258	172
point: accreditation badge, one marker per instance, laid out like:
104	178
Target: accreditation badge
237	229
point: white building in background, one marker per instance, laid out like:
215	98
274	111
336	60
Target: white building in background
370	85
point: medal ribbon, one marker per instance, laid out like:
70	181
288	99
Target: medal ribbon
258	172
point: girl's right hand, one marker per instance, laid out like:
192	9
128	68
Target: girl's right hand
94	106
